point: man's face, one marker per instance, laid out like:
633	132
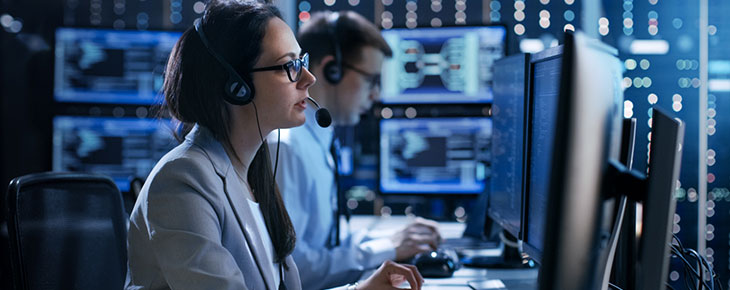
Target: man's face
360	86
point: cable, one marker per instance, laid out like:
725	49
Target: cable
612	286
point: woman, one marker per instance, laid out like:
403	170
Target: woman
209	215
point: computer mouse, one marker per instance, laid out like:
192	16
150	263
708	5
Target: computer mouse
435	264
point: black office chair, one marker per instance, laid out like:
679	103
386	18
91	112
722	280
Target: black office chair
67	231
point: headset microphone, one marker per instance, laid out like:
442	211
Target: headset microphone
324	119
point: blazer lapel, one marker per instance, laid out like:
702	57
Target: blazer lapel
234	190
202	137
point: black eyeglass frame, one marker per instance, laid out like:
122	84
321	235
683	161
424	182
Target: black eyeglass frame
373	79
302	62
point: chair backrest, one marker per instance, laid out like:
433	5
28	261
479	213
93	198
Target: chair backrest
67	231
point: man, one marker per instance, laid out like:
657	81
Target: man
346	55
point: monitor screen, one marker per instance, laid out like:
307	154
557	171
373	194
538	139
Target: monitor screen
544	90
508	141
434	155
110	66
441	65
122	148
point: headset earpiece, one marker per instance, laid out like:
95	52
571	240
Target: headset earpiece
333	69
238	91
332	72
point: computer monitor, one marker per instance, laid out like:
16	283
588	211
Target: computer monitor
543	95
110	66
441	65
509	113
434	155
659	203
122	148
587	135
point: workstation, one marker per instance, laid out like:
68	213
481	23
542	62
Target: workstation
491	144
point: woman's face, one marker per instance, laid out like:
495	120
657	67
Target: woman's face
280	101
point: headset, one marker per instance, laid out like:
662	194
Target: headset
238	90
333	69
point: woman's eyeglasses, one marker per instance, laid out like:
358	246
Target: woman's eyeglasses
293	67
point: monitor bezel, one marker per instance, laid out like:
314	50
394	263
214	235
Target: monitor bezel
548	54
494	213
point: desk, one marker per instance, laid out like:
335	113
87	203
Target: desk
511	279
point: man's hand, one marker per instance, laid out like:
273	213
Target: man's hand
420	236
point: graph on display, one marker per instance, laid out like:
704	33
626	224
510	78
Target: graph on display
122	148
445	65
434	155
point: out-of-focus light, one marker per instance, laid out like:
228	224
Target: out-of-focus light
569	2
199	7
653	99
653	29
436	22
569	15
646	81
5	20
676	98
630	64
386	23
329	2
531	45
520	30
719	85
712	29
677	107
649	46
544	14
386	113
411	112
544	22
603	30
15	26
304	16
627	82
603	21
677	23
628	22
519	5
637	82
569	27
519	15
353	2
644	64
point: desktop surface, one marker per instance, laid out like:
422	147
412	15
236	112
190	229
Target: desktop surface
463	278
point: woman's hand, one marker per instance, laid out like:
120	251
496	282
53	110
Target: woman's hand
390	275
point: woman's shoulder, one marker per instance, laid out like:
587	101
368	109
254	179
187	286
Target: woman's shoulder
186	167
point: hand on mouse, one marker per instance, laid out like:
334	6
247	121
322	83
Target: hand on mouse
420	236
390	275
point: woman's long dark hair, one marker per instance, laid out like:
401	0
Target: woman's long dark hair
194	88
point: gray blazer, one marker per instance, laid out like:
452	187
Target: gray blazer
184	232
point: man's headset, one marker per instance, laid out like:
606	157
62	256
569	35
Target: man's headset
333	69
240	91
